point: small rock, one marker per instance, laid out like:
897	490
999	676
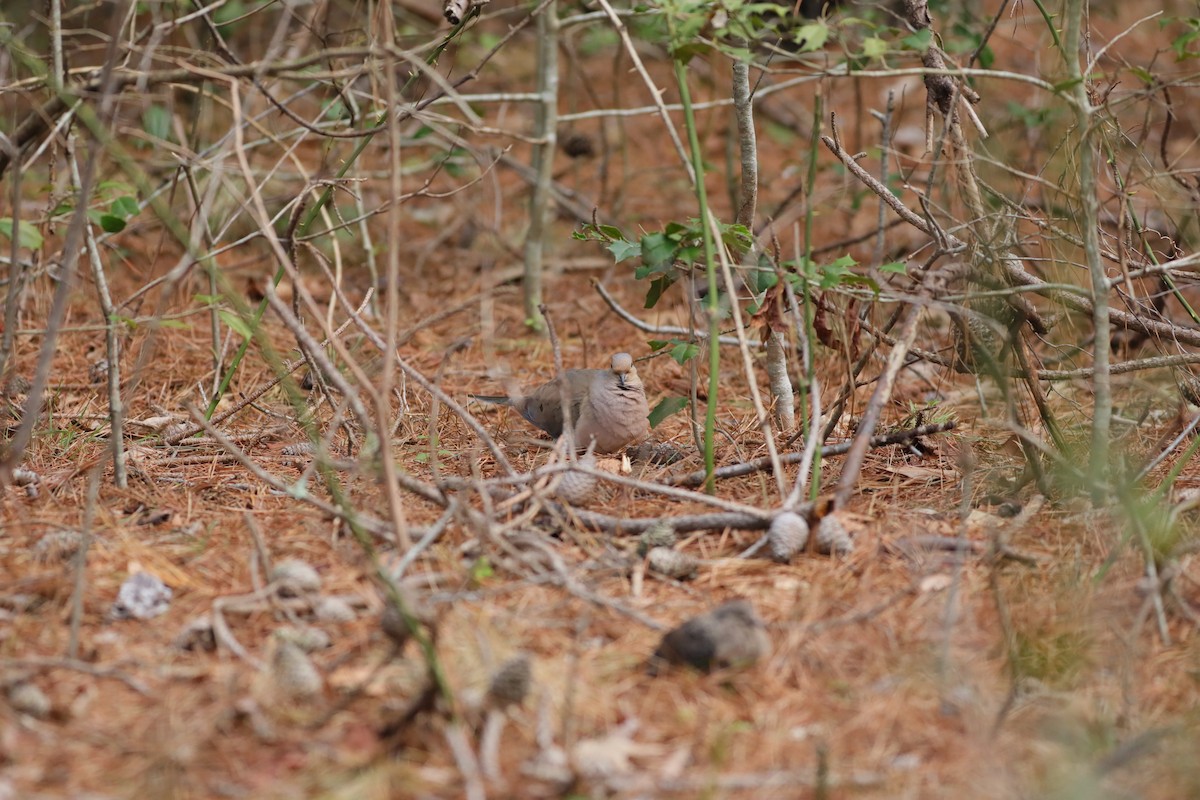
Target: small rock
510	683
729	636
27	698
787	536
672	563
333	609
142	596
295	578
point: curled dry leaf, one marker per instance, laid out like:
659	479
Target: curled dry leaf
612	755
935	583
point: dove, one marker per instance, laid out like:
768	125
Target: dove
608	406
729	636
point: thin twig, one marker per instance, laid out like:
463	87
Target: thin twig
660	330
37	662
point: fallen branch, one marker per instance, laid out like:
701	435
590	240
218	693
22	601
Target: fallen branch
606	523
759	464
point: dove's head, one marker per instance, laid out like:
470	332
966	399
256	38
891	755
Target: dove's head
623	369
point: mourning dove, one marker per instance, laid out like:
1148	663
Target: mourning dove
731	635
607	405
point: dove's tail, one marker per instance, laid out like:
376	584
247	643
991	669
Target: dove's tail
498	399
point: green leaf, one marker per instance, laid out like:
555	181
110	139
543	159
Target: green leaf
481	569
1070	83
658	251
111	223
689	51
836	272
227	13
110	188
1181	44
623	250
657	287
690	254
918	41
1144	75
156	121
666	407
125	207
874	47
897	267
336	110
759	280
235	323
27	236
684	352
811	36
